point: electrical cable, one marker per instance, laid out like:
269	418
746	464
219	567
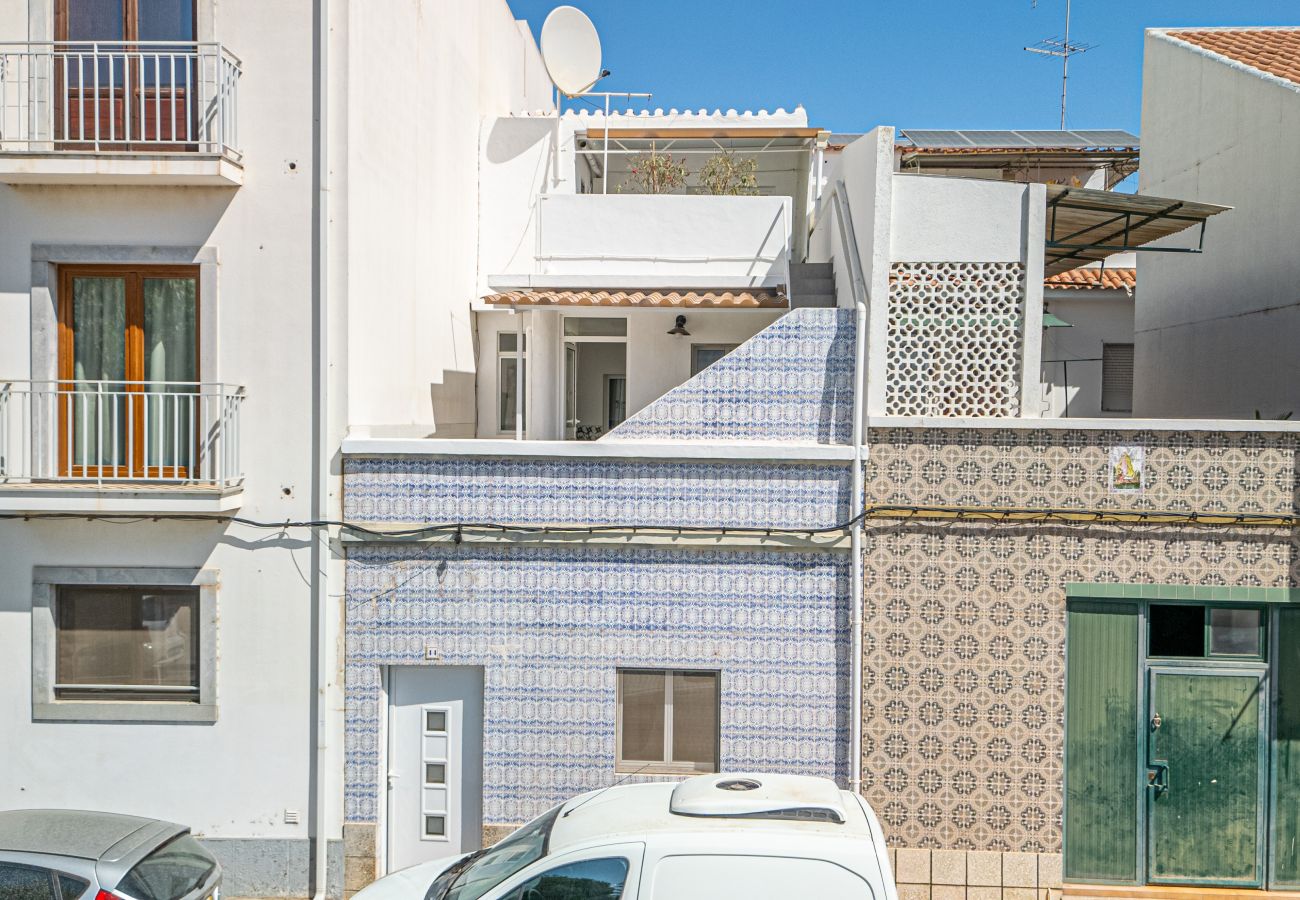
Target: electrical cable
871	511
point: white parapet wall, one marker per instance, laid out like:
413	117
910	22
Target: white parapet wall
701	239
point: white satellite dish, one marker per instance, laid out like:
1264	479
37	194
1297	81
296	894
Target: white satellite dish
571	50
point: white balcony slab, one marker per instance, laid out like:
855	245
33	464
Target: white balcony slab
176	169
118	499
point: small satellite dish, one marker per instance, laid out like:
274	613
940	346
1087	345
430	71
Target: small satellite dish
571	50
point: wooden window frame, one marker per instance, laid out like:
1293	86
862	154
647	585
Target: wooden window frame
131	78
134	362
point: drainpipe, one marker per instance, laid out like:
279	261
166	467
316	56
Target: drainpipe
857	500
321	450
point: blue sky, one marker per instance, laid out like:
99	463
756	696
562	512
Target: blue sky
855	64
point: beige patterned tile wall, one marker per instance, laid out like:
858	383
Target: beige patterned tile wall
975	875
964	628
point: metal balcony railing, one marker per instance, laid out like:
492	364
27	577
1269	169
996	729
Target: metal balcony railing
105	97
120	431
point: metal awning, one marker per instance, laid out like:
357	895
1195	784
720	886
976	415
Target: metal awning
738	299
1085	225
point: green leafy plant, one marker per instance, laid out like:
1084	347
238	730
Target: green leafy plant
655	173
730	175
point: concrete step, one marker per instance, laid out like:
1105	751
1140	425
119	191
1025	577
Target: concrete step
798	299
813	285
812	270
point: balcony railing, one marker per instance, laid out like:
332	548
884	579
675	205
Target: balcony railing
104	97
120	431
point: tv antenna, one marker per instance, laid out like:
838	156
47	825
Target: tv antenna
1062	48
571	52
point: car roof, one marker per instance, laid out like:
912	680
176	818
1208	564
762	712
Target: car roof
639	809
66	832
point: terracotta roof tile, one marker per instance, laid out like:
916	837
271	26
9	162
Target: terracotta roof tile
745	299
1092	278
1272	50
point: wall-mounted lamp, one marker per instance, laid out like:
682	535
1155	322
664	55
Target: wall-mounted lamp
680	327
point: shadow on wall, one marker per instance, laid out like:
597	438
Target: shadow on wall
455	405
838	386
509	139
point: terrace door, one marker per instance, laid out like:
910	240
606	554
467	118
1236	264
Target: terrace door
128	372
125	73
1206	767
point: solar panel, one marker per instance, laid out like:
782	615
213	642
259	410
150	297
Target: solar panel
1053	139
996	139
1109	138
936	138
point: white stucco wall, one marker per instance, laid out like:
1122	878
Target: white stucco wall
1071	364
407	92
411	223
1216	333
622	238
234	778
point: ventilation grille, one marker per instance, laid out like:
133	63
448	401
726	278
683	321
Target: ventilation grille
801	814
1117	377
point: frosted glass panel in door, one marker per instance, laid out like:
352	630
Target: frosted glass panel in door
171	370
95	421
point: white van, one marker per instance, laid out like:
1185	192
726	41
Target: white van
760	837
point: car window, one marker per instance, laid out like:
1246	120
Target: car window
481	872
170	872
72	888
25	883
591	879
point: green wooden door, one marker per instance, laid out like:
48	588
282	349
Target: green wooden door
1205	770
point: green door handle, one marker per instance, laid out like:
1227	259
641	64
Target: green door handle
1158	778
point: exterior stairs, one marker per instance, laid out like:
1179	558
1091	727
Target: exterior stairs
812	284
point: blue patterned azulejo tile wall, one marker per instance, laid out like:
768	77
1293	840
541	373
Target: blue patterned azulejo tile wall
550	626
793	381
568	491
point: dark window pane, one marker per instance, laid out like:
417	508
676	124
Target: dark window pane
591	879
23	883
705	355
643	716
95	20
127	637
435	721
1234	632
695	718
170	872
72	888
1286	750
166	20
1176	630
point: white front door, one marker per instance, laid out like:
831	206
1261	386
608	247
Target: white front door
435	763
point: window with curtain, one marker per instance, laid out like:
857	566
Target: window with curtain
667	721
128	369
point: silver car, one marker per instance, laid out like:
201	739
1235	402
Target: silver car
65	854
